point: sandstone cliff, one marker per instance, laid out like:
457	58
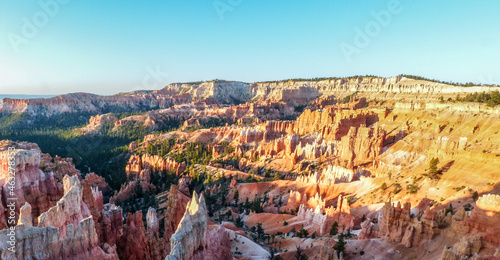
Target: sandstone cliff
293	92
191	239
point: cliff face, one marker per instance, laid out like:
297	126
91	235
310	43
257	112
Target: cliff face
133	243
84	102
292	92
58	221
191	239
68	210
139	167
484	219
176	203
321	218
398	226
65	231
80	242
223	91
32	185
393	85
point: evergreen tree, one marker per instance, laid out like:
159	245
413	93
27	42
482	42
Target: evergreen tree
335	229
236	197
475	195
340	246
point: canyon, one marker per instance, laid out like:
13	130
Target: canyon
351	168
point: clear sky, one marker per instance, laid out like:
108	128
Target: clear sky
112	46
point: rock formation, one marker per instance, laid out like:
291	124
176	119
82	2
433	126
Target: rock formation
321	218
65	231
137	166
466	247
484	219
84	102
68	210
191	239
176	204
397	225
80	242
32	185
133	244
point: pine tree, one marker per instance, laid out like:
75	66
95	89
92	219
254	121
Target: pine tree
335	229
340	246
475	195
236	197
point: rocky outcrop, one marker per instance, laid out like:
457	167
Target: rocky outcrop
32	185
467	246
484	219
361	144
126	191
321	218
337	174
137	166
369	230
191	239
65	231
218	244
95	180
25	215
57	221
347	133
157	244
110	224
84	102
331	175
489	202
140	170
328	87
133	244
176	203
223	91
397	225
97	122
80	242
230	92
68	210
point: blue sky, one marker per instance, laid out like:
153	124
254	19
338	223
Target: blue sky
112	46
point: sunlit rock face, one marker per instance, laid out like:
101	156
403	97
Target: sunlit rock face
300	148
192	240
56	220
80	242
65	231
484	218
190	234
397	225
32	185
